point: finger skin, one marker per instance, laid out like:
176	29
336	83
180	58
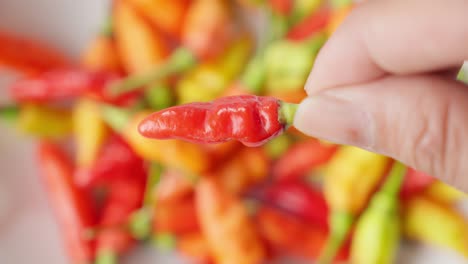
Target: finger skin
419	120
382	37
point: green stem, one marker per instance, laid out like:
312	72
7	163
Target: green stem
394	179
287	111
9	113
181	60
116	117
154	176
341	223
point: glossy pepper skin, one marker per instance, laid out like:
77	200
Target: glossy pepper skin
65	84
252	120
188	157
72	209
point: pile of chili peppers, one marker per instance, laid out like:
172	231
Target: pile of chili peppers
174	129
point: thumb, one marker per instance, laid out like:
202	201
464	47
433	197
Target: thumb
419	120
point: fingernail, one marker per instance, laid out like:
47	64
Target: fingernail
335	119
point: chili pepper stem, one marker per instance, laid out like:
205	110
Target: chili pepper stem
106	257
180	61
395	178
341	223
287	111
9	113
116	117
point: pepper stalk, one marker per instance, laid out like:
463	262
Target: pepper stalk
180	61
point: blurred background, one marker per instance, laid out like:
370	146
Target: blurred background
79	185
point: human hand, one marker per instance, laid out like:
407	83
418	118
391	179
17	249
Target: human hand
385	82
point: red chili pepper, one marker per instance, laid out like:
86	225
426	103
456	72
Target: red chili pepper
125	197
415	182
72	209
301	158
115	160
250	119
65	84
298	199
310	26
288	234
29	56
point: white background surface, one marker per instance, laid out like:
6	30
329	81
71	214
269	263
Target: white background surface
27	229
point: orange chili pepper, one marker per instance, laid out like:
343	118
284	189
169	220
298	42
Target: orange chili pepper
101	54
206	29
167	15
195	247
140	47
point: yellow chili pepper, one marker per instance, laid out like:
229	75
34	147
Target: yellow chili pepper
288	63
349	179
430	222
90	131
445	193
172	153
210	79
139	46
377	234
45	121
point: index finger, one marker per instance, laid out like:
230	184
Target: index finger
383	37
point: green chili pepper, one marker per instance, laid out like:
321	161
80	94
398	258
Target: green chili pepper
288	63
377	233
